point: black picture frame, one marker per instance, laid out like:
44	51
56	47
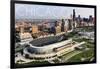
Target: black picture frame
12	30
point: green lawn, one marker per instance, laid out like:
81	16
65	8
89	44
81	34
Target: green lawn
86	54
33	63
67	56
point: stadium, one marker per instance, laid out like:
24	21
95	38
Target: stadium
45	50
49	47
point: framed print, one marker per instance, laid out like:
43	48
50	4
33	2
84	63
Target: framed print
50	34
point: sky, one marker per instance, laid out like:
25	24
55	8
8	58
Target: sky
29	11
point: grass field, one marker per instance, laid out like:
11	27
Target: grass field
33	63
86	56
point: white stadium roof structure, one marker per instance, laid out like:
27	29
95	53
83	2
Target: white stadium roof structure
46	45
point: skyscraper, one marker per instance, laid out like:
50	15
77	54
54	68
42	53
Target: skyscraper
90	19
62	25
74	17
74	14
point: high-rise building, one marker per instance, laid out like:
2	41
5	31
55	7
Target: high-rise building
21	29
58	29
35	29
69	24
79	20
74	14
74	19
62	25
90	18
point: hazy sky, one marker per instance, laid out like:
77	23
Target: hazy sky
49	12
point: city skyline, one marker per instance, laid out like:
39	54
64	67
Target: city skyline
24	11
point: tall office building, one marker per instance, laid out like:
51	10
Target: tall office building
74	14
69	24
62	25
74	18
35	29
58	29
21	29
90	19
